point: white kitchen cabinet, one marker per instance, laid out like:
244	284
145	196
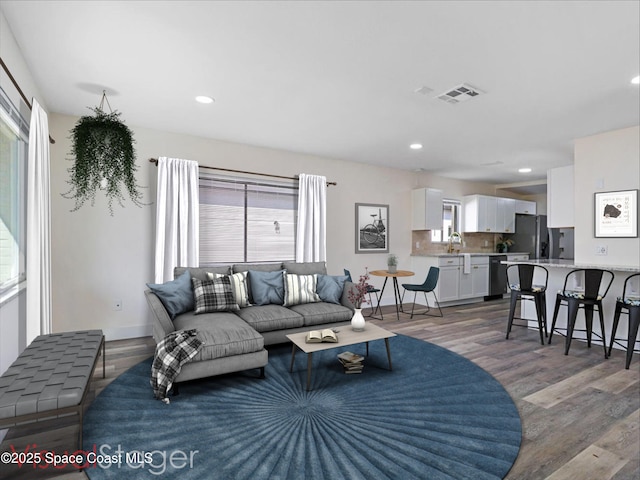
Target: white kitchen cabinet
455	286
506	215
525	207
484	213
480	276
480	213
560	203
449	279
476	282
426	209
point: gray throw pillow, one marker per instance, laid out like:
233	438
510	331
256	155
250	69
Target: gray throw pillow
330	287
176	295
267	287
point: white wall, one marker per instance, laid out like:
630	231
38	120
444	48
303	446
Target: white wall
98	258
605	162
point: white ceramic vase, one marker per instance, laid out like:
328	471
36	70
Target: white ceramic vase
357	321
392	268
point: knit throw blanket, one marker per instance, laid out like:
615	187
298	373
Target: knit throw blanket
172	352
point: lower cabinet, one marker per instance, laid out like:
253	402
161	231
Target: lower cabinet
448	283
453	283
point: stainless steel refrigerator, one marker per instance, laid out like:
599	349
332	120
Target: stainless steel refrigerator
561	243
531	236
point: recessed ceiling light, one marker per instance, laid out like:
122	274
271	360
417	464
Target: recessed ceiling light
204	99
524	170
636	80
415	146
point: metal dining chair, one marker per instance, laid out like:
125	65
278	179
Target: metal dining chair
591	286
429	285
520	278
630	303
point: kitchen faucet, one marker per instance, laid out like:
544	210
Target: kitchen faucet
451	237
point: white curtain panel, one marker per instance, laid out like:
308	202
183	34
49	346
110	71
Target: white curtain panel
38	227
311	240
177	217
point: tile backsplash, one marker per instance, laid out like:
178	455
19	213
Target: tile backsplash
473	243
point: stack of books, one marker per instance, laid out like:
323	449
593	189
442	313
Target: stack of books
351	362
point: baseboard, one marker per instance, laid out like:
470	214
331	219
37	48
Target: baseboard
123	333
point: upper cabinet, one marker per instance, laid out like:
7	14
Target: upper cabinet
525	207
426	209
506	215
484	213
560	203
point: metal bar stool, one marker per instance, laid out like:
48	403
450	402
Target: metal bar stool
631	303
520	278
591	286
429	285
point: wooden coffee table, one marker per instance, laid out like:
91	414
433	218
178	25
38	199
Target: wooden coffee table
346	336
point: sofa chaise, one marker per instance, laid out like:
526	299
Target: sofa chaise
239	309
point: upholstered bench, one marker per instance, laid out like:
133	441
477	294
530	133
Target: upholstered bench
50	377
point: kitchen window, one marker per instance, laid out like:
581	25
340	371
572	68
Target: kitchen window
450	221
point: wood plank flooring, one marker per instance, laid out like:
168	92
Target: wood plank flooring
580	413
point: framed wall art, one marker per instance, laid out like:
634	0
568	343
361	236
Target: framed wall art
372	228
616	214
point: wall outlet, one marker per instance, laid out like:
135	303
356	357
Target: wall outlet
602	250
117	304
417	244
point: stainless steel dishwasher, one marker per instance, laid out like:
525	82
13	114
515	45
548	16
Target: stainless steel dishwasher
497	277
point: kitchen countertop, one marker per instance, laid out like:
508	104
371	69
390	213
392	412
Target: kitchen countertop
559	263
473	254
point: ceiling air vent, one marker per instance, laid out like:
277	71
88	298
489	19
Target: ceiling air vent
458	94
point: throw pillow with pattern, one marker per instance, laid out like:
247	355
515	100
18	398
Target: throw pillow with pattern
213	295
300	289
238	286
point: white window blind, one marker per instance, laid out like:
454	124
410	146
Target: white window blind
246	221
14	146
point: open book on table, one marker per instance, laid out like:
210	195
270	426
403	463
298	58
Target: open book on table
320	336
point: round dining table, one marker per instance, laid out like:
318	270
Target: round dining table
396	288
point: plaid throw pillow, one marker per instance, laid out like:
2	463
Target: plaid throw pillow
238	286
213	295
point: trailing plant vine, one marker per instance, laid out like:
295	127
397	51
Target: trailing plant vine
104	160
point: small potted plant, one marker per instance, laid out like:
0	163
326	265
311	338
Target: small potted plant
357	296
503	244
392	263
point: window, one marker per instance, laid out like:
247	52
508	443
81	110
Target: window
450	221
246	221
14	138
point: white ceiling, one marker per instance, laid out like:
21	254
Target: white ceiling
338	79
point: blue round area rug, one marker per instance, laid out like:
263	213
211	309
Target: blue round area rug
435	416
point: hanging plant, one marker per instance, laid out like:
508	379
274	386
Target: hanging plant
104	159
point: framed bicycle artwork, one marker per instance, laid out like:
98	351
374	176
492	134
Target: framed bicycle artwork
372	228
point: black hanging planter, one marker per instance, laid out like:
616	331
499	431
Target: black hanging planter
104	159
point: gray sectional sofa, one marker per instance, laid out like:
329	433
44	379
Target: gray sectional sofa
235	336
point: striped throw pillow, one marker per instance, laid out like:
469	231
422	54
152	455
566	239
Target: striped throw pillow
300	289
238	287
213	295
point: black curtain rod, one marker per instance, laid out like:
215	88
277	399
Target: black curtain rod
155	160
15	84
